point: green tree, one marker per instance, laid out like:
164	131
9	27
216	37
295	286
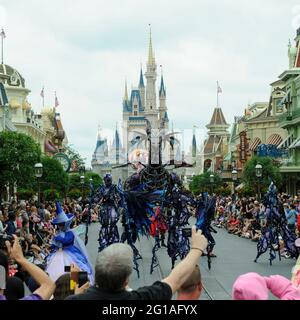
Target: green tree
97	180
18	155
51	195
201	183
270	172
74	193
75	182
54	177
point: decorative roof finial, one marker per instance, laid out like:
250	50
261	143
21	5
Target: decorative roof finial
126	91
151	59
3	36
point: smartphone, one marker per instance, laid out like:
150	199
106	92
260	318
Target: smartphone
82	278
187	232
67	268
2	278
79	278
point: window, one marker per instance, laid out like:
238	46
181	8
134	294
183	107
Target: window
135	113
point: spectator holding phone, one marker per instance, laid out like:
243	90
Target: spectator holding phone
46	285
114	266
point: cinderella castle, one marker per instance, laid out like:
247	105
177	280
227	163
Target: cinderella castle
139	106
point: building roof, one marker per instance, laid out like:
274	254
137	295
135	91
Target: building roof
3	95
218	118
141	83
162	90
11	76
166	116
212	144
116	141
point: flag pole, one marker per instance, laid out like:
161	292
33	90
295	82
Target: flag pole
2	44
217	94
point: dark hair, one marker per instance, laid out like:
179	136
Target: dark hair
11	215
14	289
62	289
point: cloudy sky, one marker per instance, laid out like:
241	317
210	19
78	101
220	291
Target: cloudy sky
85	49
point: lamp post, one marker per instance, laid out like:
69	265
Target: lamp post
258	173
82	184
234	176
38	171
88	220
212	180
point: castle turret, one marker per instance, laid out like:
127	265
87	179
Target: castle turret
142	88
162	100
151	79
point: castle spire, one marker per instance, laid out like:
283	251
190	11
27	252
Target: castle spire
162	90
141	84
151	59
126	92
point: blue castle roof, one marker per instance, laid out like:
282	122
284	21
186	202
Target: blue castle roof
141	84
128	105
162	90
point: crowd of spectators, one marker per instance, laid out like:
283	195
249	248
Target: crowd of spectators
25	241
245	217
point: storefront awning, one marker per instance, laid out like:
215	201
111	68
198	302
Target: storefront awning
254	144
274	139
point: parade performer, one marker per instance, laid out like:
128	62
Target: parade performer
205	211
276	226
67	248
152	186
109	214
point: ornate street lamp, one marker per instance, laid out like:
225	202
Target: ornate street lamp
258	173
82	178
212	180
258	170
88	220
38	171
234	175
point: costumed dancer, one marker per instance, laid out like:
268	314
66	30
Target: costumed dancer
67	248
178	216
205	213
109	213
276	226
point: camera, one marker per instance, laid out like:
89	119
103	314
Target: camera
187	232
3	238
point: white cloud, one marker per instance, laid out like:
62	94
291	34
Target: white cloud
85	49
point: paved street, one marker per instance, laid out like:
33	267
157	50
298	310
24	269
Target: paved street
234	257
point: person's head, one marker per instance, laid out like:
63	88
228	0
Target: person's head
14	289
62	289
113	268
192	287
11	216
250	286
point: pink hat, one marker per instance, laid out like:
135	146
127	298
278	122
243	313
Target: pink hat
250	286
282	288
